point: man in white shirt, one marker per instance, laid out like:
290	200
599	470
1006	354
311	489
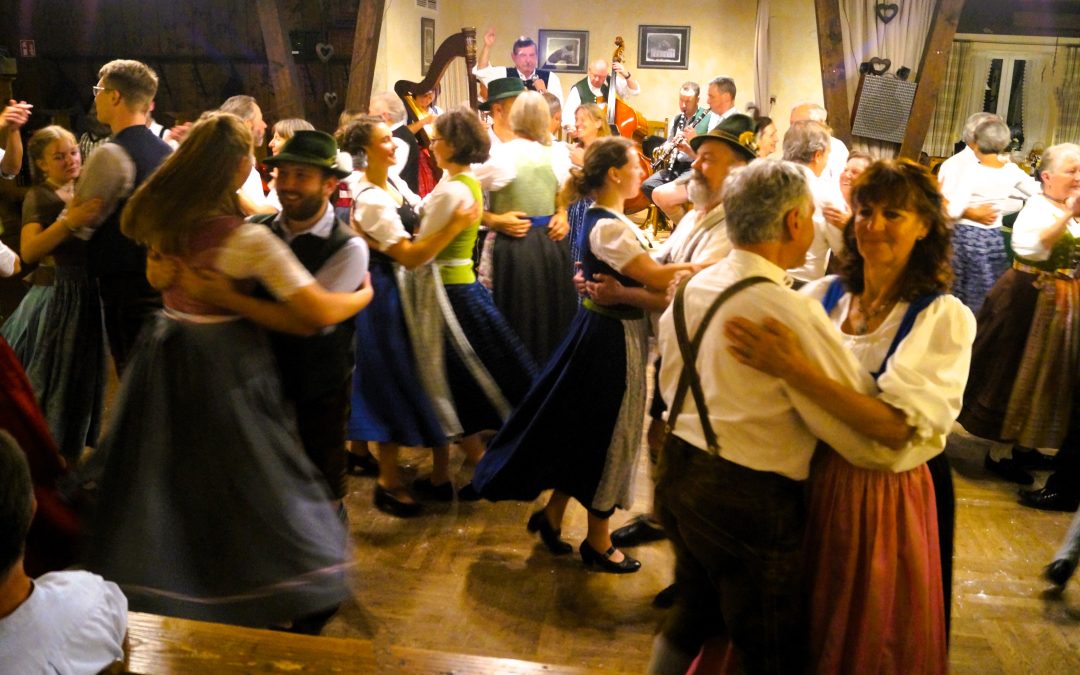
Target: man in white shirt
523	54
252	198
838	152
61	622
952	171
595	87
720	98
730	480
807	143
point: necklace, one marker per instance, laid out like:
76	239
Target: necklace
861	316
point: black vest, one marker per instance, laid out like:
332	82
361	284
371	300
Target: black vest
410	174
315	365
511	71
110	253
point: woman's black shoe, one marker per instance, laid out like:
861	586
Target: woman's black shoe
538	522
425	489
1008	469
386	502
591	557
1059	572
362	465
468	493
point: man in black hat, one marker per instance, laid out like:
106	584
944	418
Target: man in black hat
502	92
316	365
524	57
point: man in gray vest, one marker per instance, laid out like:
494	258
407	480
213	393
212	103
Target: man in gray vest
523	54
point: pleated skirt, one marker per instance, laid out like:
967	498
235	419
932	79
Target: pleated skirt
58	333
209	509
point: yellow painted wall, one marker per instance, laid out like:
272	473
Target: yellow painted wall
721	42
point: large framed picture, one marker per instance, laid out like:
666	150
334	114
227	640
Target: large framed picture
427	43
664	47
563	51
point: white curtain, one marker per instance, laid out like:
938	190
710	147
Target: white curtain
952	107
901	41
761	58
1038	95
1068	100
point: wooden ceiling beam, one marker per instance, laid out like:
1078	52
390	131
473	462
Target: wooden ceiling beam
931	74
283	75
369	18
833	73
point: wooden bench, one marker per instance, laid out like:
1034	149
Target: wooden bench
158	644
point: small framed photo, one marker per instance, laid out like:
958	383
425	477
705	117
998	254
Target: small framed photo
427	43
664	47
563	51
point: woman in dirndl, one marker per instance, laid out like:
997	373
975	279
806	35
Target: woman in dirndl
578	430
389	404
527	267
209	508
58	331
992	188
878	572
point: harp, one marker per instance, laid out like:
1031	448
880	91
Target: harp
460	45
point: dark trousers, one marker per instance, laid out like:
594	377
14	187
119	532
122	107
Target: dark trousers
1066	476
941	475
662	177
738	537
322	421
127	301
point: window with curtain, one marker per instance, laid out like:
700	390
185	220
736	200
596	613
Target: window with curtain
1004	95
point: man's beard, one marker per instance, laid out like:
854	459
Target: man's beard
698	190
305	208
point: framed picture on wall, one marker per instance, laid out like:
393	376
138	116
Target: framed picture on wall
664	47
427	43
564	51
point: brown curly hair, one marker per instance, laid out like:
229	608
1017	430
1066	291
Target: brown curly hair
903	184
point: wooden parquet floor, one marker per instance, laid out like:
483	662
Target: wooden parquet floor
467	578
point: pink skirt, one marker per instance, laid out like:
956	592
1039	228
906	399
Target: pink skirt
874	571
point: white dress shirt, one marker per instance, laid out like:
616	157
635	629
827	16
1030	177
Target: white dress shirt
1005	188
486	75
828	239
344	271
761	422
1037	215
952	170
699	238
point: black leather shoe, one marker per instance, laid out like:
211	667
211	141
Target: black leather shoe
666	598
1050	499
1009	470
591	557
1031	459
387	502
538	522
362	465
468	493
1059	572
425	489
640	530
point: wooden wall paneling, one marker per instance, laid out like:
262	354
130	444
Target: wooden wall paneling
931	74
833	73
283	77
365	48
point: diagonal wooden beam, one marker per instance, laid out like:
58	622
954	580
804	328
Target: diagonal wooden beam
283	76
369	17
931	75
833	73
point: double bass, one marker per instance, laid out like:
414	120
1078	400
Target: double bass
458	45
628	122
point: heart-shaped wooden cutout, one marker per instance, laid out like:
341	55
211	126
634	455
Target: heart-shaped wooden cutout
330	98
887	12
324	51
879	66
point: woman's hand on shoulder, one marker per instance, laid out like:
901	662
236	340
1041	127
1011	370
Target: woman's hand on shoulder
464	216
84	213
769	346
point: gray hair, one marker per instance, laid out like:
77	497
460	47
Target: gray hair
690	89
805	139
530	117
1056	154
725	84
973	121
992	136
815	112
391	103
759	195
242	106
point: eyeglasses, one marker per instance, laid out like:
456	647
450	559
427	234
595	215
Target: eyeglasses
98	90
435	138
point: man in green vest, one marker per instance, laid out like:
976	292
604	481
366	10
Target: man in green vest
594	88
